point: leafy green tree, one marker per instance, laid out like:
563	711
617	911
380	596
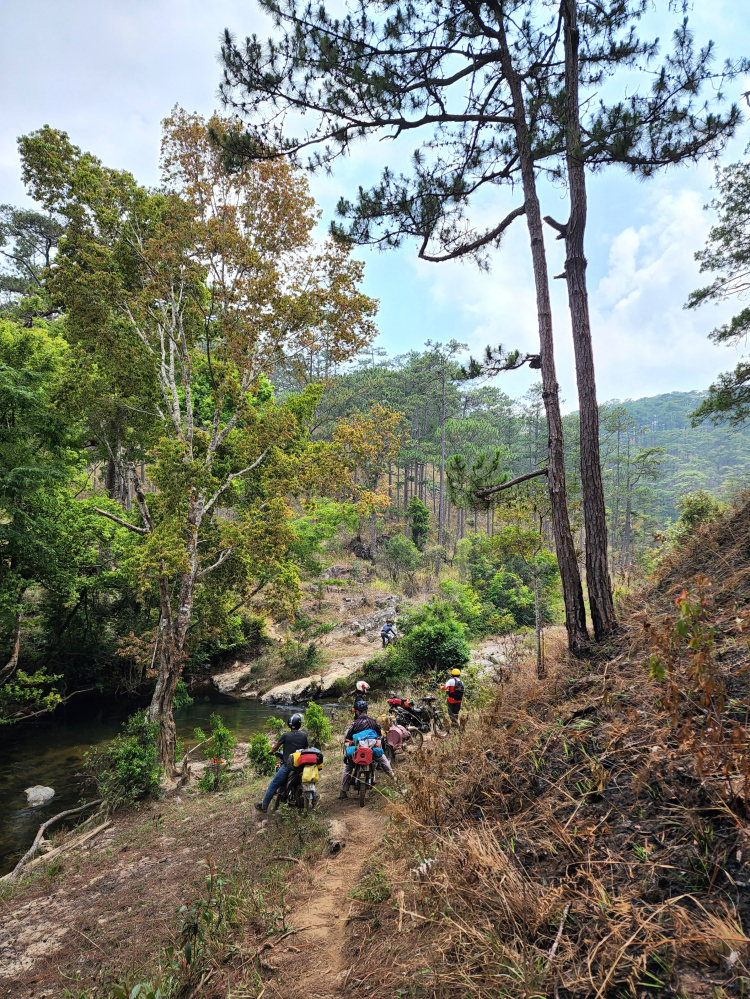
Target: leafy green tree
28	240
727	254
399	556
50	543
419	521
317	725
198	287
435	640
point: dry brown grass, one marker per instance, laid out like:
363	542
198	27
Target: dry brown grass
589	836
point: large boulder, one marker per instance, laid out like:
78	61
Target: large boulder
321	685
234	683
39	795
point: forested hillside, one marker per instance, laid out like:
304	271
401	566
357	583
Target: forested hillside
714	458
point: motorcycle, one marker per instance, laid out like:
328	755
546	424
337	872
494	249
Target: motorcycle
363	752
300	788
396	739
419	718
363	777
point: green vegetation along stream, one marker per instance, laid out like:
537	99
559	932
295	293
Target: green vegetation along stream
51	753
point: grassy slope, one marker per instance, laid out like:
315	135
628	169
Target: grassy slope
572	842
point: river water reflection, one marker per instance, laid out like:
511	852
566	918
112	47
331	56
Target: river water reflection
51	753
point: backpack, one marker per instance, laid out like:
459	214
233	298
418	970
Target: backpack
457	693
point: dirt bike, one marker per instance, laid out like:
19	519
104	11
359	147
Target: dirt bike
420	718
396	738
298	792
363	776
389	640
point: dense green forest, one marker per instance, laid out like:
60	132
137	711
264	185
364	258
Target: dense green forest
196	423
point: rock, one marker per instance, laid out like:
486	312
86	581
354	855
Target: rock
336	838
252	694
228	683
323	685
39	795
336	572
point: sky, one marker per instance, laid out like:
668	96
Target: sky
108	72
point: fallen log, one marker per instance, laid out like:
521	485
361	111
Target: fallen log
23	862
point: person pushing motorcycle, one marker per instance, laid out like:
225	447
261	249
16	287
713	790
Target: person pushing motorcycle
362	721
288	743
388	634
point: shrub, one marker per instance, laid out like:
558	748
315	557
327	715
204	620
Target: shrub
435	640
260	756
300	659
220	743
399	556
508	594
275	726
182	698
388	668
317	725
127	770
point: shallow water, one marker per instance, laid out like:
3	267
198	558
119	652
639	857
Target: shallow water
51	752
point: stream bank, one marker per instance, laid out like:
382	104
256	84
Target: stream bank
52	750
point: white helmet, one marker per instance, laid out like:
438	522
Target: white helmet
362	686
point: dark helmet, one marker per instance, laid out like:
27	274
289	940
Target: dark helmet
360	706
295	721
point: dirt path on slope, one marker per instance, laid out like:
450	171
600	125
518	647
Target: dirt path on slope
314	964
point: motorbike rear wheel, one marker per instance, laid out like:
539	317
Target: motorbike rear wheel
362	792
417	739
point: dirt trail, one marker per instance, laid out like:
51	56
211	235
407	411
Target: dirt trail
318	968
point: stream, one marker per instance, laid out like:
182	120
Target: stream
51	752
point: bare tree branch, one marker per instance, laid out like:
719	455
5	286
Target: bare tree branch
488	237
483	493
219	561
122	523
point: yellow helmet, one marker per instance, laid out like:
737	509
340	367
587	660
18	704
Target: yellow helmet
455	672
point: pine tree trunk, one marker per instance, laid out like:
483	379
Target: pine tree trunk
575	613
598	581
441	502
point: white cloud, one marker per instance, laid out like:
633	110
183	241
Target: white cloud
645	341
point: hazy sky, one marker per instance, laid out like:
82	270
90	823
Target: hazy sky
107	72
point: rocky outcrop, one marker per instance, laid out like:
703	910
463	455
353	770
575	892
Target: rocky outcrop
236	683
39	794
322	685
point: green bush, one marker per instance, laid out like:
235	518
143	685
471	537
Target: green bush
127	769
435	640
259	754
317	725
388	668
220	743
182	698
400	555
508	594
275	726
299	659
